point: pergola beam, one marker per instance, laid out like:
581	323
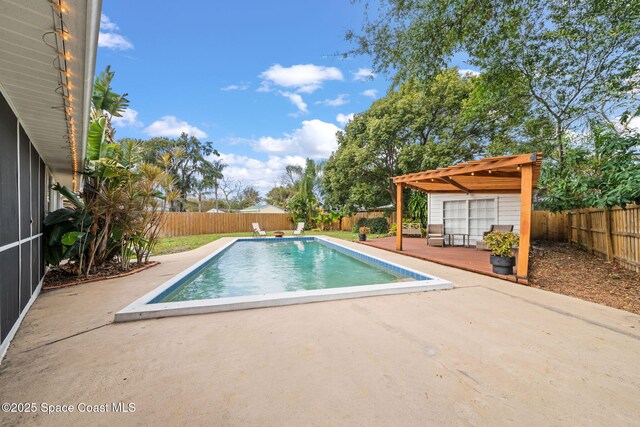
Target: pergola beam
456	184
467	169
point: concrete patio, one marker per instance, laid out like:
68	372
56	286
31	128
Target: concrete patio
488	352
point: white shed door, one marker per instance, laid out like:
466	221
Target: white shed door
482	214
472	217
455	216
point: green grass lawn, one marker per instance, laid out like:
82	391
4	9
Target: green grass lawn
170	245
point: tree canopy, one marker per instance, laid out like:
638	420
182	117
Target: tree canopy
186	160
426	124
577	59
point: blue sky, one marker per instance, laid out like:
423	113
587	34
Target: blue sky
261	80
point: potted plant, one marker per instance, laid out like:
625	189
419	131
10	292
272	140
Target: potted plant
363	233
502	247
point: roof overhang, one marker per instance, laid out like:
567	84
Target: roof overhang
489	175
33	58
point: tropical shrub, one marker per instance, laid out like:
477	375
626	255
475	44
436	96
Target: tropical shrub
418	207
324	220
120	209
364	230
502	243
393	229
377	225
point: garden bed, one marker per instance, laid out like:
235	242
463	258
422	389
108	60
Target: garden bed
560	268
57	278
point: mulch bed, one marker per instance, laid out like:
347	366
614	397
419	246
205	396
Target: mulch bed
57	278
560	268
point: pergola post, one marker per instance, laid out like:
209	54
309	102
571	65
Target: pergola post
399	187
526	195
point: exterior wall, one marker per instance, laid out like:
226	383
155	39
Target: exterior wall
507	208
265	209
22	208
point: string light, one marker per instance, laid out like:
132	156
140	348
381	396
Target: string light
63	60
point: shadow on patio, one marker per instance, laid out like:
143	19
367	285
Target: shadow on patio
469	259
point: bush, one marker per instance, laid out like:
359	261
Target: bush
377	225
502	244
393	230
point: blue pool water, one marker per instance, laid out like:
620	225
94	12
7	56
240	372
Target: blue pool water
257	267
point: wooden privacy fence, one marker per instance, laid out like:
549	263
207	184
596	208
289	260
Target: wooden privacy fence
190	223
613	233
347	223
549	226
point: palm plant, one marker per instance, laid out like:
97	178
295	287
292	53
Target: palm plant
123	200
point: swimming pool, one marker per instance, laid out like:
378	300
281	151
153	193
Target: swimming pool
262	272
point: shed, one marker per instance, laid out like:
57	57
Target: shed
469	197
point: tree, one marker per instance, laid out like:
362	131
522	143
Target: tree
425	125
280	196
185	158
248	196
216	176
231	190
578	59
601	171
304	204
209	174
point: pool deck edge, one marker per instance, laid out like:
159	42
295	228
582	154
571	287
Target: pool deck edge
141	308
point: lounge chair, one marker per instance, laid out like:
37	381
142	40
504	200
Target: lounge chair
257	231
299	230
435	235
481	245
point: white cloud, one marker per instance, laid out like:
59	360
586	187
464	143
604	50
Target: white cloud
315	139
241	86
172	127
296	100
106	24
303	78
341	99
363	74
468	73
634	124
114	41
343	119
129	118
109	39
262	174
371	93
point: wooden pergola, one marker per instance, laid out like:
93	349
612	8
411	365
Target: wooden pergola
506	174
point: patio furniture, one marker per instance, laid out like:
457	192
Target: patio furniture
481	245
435	235
278	233
452	239
299	229
257	231
412	229
436	241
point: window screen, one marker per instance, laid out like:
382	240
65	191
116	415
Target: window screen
455	217
482	213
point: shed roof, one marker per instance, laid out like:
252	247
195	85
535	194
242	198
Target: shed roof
489	175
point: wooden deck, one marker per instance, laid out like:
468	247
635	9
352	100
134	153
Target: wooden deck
468	259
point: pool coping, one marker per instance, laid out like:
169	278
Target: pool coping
143	309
